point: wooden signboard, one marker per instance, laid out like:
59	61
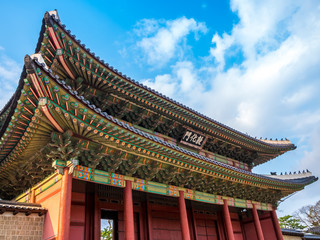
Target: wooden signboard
193	139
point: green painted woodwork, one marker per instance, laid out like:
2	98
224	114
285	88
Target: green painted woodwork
84	65
114	136
27	132
30	143
116	180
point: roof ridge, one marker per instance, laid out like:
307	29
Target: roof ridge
14	203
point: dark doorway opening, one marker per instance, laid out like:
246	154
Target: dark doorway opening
109	225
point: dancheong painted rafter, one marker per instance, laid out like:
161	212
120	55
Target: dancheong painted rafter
53	106
75	121
76	60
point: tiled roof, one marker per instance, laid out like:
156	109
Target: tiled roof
311	236
299	233
17	207
279	144
292	232
158	140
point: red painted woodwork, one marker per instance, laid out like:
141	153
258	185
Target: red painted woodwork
128	211
237	231
266	223
268	228
121	226
206	227
96	217
220	224
78	216
194	225
257	223
65	206
121	229
183	217
250	231
89	219
142	225
236	226
276	224
137	218
191	222
238	236
149	219
165	223
227	220
58	46
157	221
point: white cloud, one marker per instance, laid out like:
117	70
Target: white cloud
262	27
9	76
9	70
310	161
273	91
275	83
300	96
221	45
146	27
256	88
163	84
262	92
311	158
183	82
188	79
162	43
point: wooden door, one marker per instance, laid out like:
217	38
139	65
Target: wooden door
206	227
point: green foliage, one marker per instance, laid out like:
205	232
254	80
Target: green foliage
290	222
106	233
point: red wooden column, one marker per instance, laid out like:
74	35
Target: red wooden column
257	222
149	217
183	217
227	220
128	212
65	205
276	224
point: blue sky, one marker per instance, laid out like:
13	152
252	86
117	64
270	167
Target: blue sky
253	65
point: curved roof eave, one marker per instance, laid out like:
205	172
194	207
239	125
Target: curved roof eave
12	103
276	145
151	137
13	100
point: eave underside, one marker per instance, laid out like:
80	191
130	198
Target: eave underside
128	100
101	142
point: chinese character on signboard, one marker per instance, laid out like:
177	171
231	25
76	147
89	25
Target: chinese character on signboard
193	139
